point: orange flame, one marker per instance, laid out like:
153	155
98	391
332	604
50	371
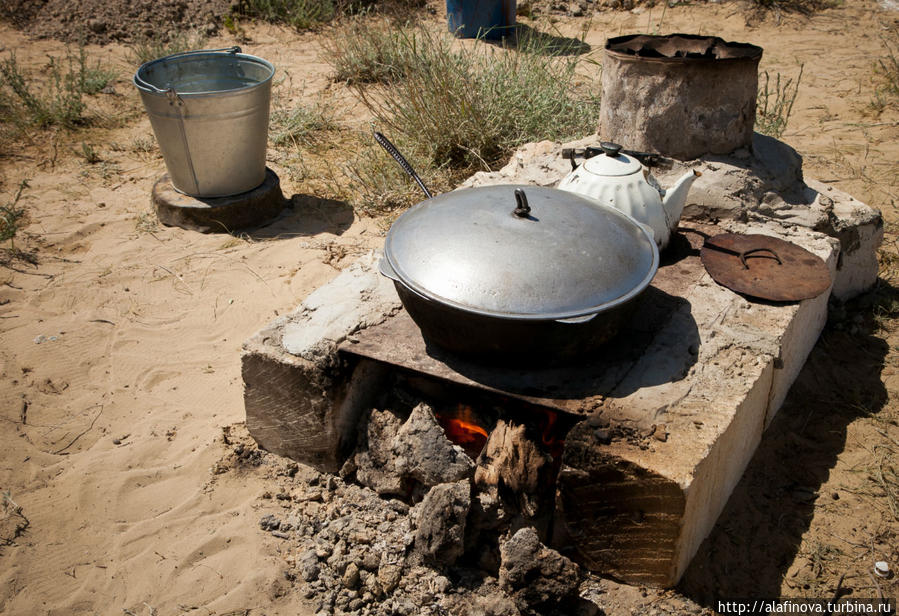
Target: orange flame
462	428
463	431
547	436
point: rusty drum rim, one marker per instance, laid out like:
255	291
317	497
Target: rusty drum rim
753	57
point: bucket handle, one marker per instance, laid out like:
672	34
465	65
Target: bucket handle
170	92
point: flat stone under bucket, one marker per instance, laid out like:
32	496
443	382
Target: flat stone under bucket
219	214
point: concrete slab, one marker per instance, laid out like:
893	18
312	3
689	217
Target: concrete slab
219	214
682	444
668	430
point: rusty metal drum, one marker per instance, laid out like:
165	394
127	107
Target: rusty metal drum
679	95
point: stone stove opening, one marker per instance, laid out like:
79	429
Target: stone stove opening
468	415
477	466
467	418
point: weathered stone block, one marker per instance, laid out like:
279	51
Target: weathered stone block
639	494
300	399
534	573
440	533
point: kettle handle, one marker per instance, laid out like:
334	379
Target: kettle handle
650	159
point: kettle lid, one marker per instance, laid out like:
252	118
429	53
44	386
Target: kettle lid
612	162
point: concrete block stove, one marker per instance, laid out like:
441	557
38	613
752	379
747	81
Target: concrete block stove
652	435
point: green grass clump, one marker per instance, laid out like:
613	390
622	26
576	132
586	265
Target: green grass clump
467	106
92	79
11	217
58	103
54	97
775	103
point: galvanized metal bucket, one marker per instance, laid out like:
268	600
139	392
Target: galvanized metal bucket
209	110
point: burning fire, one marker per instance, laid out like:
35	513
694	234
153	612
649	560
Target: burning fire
463	430
462	427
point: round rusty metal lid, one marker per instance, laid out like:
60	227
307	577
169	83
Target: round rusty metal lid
765	267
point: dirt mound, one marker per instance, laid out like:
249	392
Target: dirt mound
104	21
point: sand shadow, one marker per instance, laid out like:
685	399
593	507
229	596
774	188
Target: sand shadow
759	533
526	38
306	215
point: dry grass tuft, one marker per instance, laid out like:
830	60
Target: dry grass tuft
382	188
311	14
364	51
301	125
775	103
886	73
805	7
53	97
454	109
12	216
470	107
301	14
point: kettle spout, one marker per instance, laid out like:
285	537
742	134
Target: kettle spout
676	197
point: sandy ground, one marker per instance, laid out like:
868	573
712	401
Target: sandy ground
120	388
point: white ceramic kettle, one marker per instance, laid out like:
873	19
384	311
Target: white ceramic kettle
619	180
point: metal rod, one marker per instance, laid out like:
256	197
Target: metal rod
391	149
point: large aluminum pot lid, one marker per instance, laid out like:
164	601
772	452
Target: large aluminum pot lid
568	257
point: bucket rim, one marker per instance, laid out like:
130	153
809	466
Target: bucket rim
148	88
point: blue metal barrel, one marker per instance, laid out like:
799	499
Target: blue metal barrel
490	19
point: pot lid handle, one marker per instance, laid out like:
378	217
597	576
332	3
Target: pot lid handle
522	209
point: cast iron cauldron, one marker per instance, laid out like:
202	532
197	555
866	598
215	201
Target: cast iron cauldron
528	273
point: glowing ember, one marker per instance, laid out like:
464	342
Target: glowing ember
548	436
462	428
463	431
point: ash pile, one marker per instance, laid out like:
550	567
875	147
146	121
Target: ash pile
415	525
